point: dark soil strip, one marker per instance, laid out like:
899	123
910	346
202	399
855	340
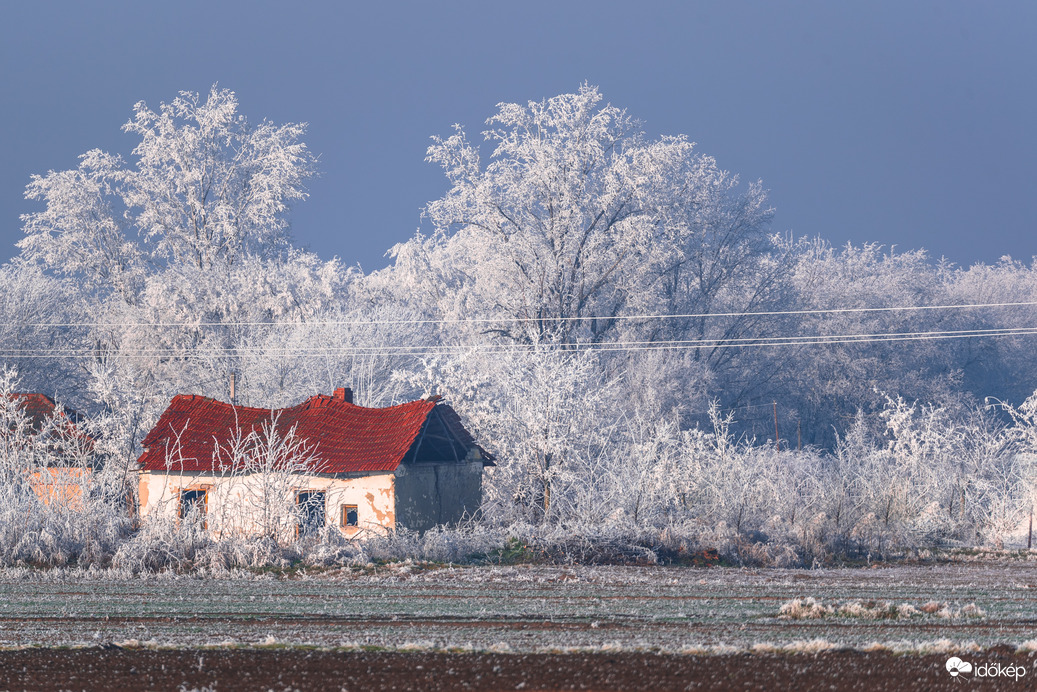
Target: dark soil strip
224	670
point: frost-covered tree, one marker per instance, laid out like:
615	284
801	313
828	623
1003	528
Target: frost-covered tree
205	188
260	471
577	219
349	344
1003	367
545	412
580	230
39	318
180	252
823	386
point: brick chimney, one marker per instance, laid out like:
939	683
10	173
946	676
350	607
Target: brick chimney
344	394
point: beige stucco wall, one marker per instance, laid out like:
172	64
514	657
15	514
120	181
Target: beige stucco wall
261	503
60	485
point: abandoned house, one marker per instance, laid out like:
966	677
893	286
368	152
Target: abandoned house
326	461
59	457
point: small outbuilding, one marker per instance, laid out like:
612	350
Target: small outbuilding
59	456
324	462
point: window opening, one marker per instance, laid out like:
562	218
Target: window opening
311	511
193	505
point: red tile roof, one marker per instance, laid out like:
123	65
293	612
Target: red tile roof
39	407
347	438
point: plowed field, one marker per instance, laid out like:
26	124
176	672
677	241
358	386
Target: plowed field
526	627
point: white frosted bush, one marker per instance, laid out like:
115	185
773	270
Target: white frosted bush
804	609
810	608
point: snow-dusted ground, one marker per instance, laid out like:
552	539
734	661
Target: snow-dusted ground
535	608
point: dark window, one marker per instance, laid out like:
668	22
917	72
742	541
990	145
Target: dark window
311	511
192	505
349	516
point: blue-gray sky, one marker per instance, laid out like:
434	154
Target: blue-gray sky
899	123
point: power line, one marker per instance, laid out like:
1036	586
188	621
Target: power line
497	320
389	349
417	351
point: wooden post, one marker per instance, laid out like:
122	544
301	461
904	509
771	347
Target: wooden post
232	392
777	442
799	435
1029	538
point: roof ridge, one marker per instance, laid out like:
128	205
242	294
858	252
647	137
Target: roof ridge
224	404
29	395
351	437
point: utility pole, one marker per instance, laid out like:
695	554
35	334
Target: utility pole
799	435
1029	538
777	442
232	388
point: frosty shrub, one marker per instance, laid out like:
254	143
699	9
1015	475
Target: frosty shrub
807	608
636	489
463	543
810	608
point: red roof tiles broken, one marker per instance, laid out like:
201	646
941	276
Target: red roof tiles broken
347	438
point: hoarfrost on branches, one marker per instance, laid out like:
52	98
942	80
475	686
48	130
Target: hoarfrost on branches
590	299
207	188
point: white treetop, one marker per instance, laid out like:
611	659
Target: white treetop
206	188
576	214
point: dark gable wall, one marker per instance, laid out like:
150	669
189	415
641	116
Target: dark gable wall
431	494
